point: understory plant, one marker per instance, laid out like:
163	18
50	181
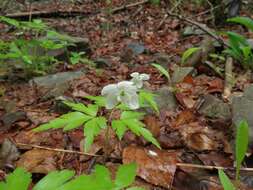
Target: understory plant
30	47
241	146
125	96
100	179
239	47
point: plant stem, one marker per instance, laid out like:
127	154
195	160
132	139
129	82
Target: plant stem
107	136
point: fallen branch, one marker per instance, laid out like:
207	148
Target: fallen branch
60	150
211	167
128	6
201	27
228	78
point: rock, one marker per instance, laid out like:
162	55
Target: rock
136	48
180	73
55	85
242	109
103	63
9	118
215	108
165	99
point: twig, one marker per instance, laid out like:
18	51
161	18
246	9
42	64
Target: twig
201	27
129	6
216	69
57	149
211	167
228	78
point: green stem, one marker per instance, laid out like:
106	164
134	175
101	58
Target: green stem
107	136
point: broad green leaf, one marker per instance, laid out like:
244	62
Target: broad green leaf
119	127
90	109
70	120
162	70
155	2
148	97
225	181
99	100
137	128
86	182
19	179
54	180
102	177
248	22
101	122
188	53
125	175
241	146
10	21
91	129
135	188
131	115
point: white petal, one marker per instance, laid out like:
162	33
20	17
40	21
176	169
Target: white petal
131	100
135	75
126	86
144	76
111	101
109	89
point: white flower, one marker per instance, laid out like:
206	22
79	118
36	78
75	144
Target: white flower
124	92
138	79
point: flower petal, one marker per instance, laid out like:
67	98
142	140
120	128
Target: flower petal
111	101
144	76
109	89
135	75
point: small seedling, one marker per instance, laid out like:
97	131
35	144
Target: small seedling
163	71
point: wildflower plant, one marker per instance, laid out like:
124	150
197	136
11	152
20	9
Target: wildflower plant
125	96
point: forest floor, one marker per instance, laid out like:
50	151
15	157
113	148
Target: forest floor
195	126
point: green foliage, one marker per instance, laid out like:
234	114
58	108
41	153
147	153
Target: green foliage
78	57
64	180
87	116
162	70
239	48
147	100
225	181
241	146
189	52
155	2
31	55
247	22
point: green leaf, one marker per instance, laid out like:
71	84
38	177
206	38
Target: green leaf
225	181
102	177
99	100
131	115
70	120
125	175
149	98
188	53
155	2
119	127
162	70
135	188
241	146
137	128
54	180
19	179
86	182
10	21
91	129
101	122
248	22
89	110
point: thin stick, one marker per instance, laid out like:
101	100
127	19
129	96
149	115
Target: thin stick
57	149
201	27
228	78
211	167
129	6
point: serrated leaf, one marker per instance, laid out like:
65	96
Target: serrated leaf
119	127
148	97
70	120
243	21
19	178
89	110
162	70
188	53
102	177
137	128
225	181
54	180
125	175
91	129
10	21
99	100
241	146
131	115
